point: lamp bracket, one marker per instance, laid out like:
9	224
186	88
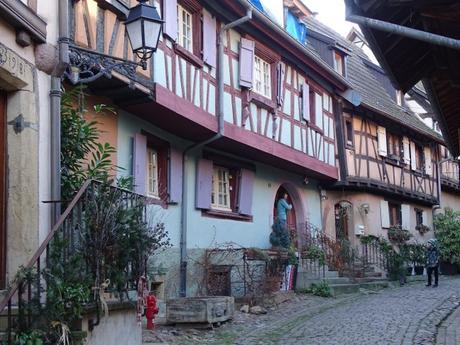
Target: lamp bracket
86	66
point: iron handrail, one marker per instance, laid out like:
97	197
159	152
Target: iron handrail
36	257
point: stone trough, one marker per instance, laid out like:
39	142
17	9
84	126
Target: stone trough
209	310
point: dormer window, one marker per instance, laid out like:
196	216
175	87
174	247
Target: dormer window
399	97
339	63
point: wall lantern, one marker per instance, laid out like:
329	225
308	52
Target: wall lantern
143	26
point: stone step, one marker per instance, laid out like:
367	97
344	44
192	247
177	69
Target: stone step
341	289
332	274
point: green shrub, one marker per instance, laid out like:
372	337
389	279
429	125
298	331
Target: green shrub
316	253
447	226
279	237
321	289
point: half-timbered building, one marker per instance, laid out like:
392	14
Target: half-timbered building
215	182
387	155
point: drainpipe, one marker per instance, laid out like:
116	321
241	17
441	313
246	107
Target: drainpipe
218	135
55	108
439	189
405	31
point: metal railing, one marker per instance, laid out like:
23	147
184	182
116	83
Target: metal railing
15	309
341	256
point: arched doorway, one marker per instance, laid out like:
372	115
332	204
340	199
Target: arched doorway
343	214
295	216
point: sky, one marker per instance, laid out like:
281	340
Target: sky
331	13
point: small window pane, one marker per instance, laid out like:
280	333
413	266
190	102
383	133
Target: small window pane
262	77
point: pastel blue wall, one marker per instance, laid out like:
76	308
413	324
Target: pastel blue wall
204	231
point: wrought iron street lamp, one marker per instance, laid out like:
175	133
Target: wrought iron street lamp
143	26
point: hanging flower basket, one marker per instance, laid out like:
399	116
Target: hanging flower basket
398	235
422	229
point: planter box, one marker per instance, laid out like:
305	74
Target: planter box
200	310
448	269
418	270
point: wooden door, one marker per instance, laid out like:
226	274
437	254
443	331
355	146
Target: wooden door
2	189
341	222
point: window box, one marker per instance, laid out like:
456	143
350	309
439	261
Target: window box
214	213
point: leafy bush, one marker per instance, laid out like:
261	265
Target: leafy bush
447	226
321	289
316	253
279	237
83	157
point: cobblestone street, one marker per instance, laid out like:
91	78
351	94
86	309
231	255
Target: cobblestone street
400	315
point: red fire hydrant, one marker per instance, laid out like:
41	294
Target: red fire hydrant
151	310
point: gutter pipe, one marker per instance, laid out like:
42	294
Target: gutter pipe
405	31
439	188
55	107
218	135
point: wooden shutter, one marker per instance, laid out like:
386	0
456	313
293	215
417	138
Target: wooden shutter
175	176
281	71
382	140
384	214
170	18
246	192
306	102
406	150
246	62
139	163
413	157
405	217
428	162
209	39
204	184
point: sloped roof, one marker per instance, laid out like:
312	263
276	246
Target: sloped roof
374	96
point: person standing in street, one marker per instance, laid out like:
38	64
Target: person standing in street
432	262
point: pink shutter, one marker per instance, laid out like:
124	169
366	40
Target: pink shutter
175	176
204	184
306	102
209	39
246	62
246	192
139	163
281	70
170	18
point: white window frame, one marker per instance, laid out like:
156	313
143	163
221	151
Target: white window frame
151	175
262	77
185	28
339	68
221	188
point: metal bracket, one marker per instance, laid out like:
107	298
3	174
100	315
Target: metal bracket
87	66
19	124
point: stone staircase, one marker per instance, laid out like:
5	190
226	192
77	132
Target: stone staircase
343	283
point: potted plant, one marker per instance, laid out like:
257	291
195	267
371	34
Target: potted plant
418	257
447	233
315	253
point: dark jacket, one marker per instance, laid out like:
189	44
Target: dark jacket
432	257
